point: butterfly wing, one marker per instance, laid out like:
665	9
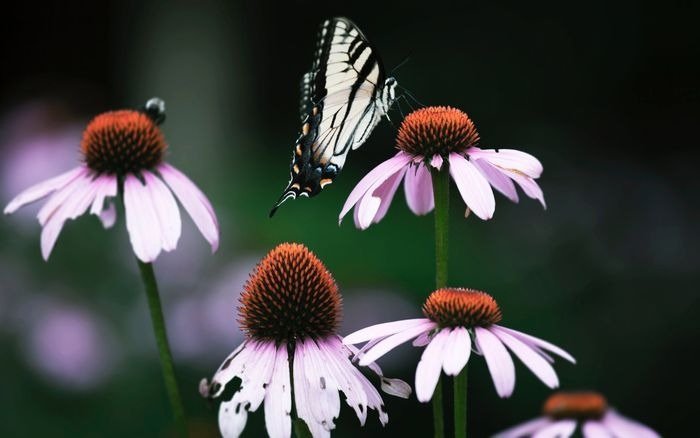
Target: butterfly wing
338	107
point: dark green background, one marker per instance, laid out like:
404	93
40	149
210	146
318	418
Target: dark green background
604	93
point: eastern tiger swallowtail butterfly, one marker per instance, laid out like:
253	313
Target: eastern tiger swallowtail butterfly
343	98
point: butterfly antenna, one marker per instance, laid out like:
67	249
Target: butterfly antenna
408	102
398	106
408	93
400	64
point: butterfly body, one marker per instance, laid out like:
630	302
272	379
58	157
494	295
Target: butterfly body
343	98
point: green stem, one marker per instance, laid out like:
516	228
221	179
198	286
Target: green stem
441	193
460	404
166	358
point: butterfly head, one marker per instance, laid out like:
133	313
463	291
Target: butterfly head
388	95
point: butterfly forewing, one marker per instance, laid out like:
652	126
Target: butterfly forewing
338	107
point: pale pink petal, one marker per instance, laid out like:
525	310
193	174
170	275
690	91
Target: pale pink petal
533	341
395	387
391	342
429	367
623	427
459	346
497	178
108	216
372	207
381	330
278	398
107	187
524	429
349	381
321	385
473	187
536	363
558	429
63	196
194	201
436	161
422	340
419	189
594	429
256	375
498	360
166	209
141	220
375	177
386	193
529	186
82	194
303	399
509	159
44	188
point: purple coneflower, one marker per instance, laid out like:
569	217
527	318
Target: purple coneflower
290	310
435	137
564	412
124	148
459	321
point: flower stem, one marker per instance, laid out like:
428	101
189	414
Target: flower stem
460	404
441	193
166	358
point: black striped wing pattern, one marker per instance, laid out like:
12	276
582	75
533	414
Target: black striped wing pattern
341	102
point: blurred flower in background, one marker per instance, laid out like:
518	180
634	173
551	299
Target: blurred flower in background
67	344
38	138
565	412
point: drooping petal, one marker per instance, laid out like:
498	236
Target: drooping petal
327	388
62	196
194	201
531	358
459	346
474	188
278	398
381	330
386	193
623	427
594	429
375	177
141	220
108	216
498	179
498	361
557	429
107	188
509	159
395	387
256	375
342	369
537	342
524	429
529	186
166	210
419	189
430	366
422	340
82	193
436	161
44	188
390	342
372	207
231	367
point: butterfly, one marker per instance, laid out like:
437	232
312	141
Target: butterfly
343	98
